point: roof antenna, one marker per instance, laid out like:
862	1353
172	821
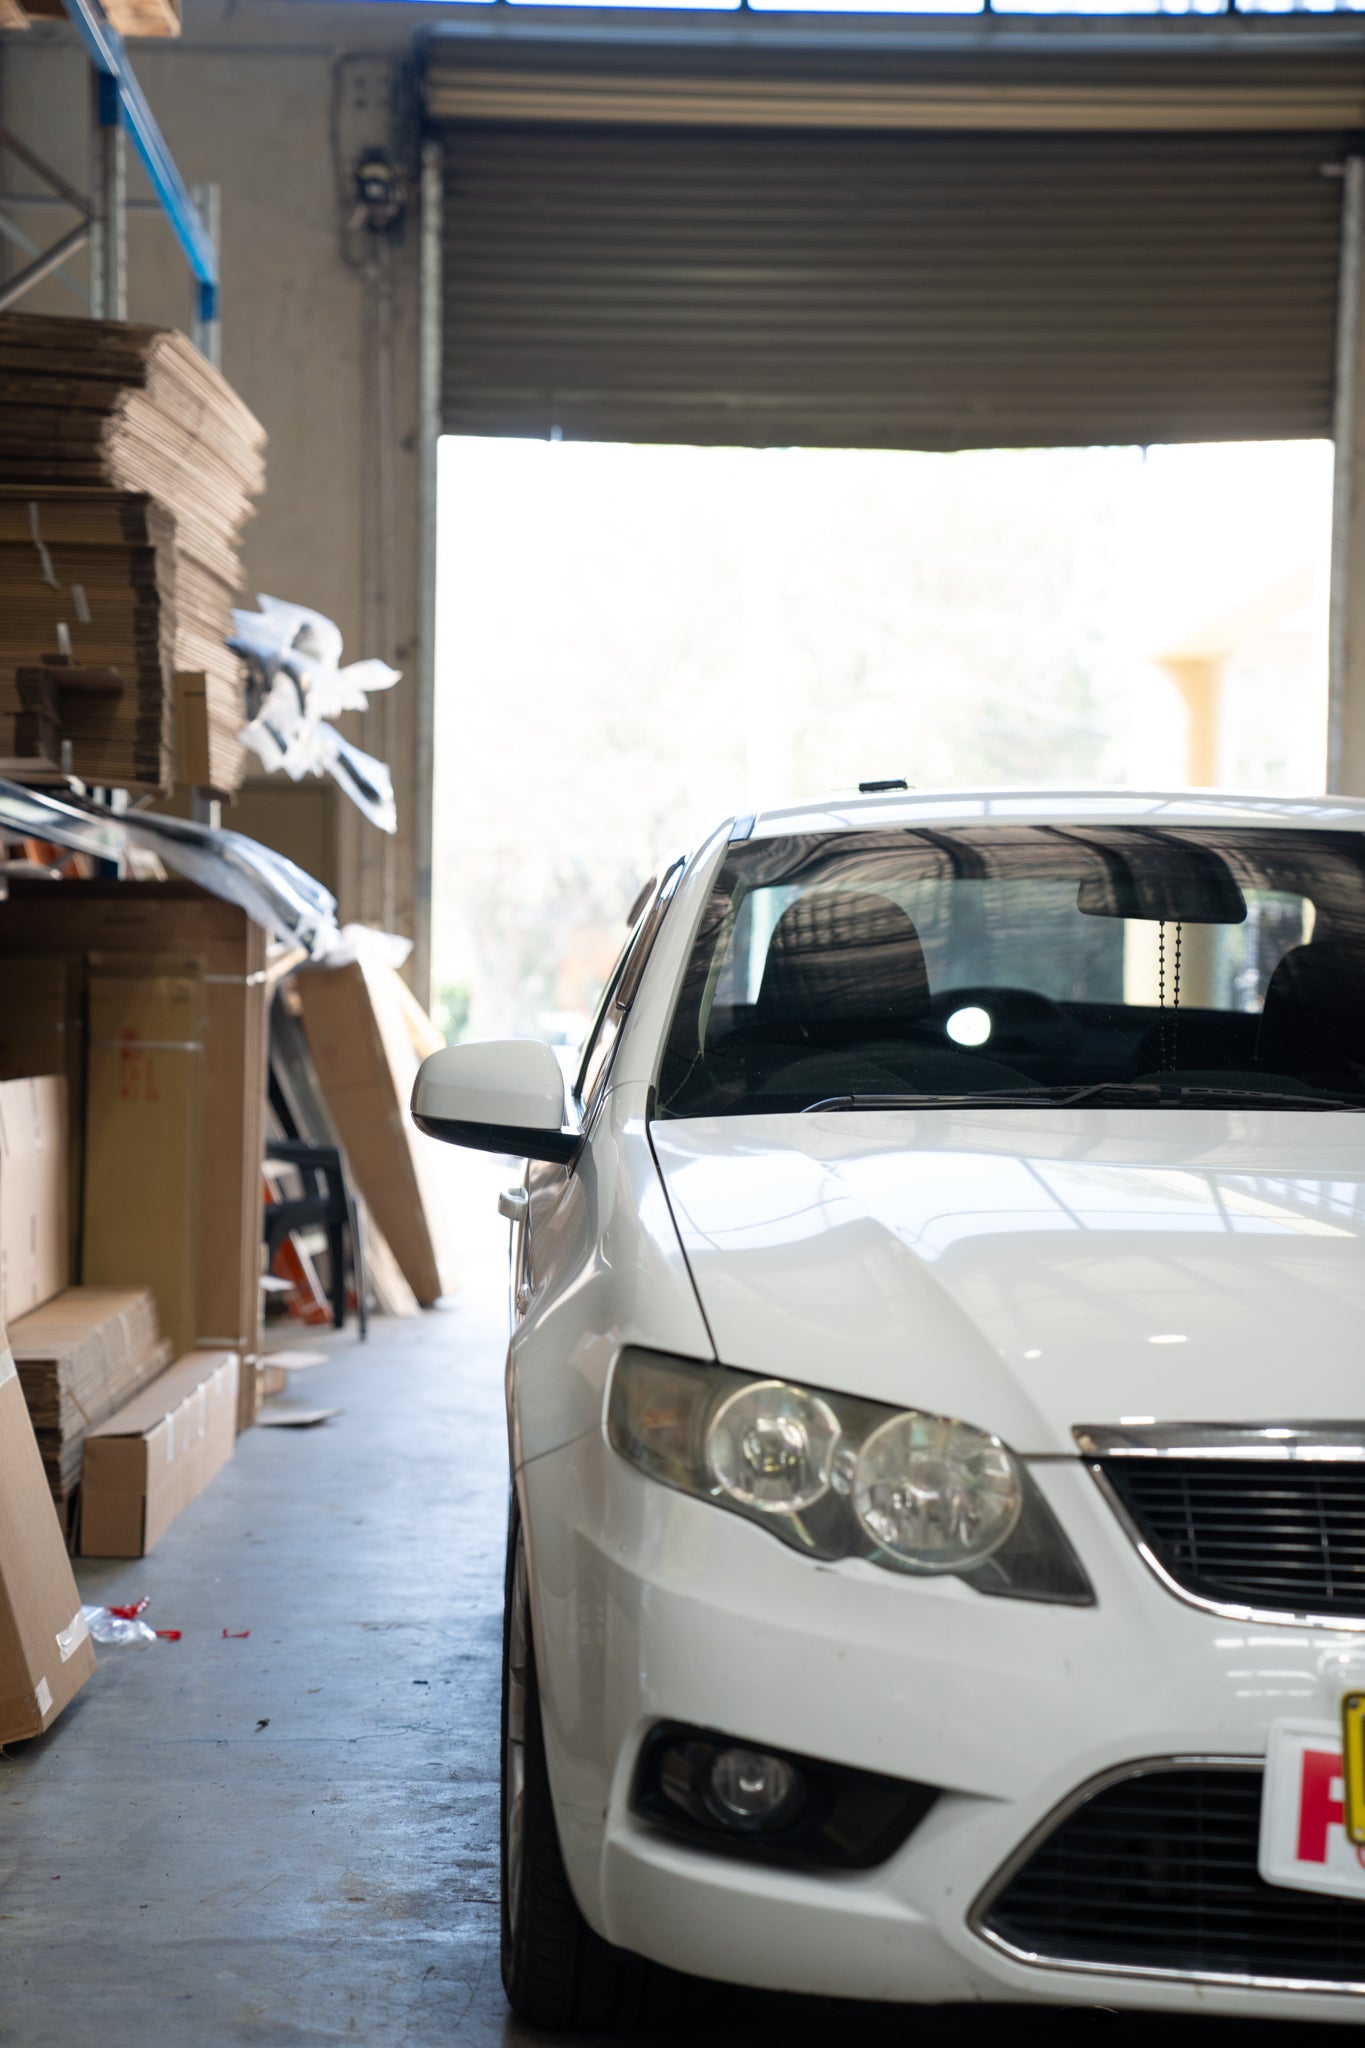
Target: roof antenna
879	788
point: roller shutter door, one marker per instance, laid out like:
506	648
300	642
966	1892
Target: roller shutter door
638	280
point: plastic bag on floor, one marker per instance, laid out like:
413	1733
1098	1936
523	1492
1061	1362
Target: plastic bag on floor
107	1627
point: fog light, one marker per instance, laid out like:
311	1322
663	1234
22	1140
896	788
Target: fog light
720	1794
747	1789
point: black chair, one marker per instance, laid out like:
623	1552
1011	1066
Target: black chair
325	1204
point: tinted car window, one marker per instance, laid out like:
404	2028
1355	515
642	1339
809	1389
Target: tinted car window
621	986
996	959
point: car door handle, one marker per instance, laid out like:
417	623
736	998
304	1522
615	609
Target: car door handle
513	1204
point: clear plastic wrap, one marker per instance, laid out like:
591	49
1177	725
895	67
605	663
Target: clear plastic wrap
106	1625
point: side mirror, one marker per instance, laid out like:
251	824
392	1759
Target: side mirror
506	1095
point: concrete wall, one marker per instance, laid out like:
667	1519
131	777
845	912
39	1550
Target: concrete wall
250	98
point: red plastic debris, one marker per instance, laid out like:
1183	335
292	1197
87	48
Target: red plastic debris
172	1635
133	1609
235	1635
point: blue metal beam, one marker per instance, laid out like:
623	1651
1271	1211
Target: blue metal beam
104	46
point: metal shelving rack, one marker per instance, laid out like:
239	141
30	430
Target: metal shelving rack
119	112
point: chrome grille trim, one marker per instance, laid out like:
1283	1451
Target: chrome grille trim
1315	1442
1225	1610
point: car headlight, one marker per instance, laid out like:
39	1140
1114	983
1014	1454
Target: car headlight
771	1446
838	1477
937	1495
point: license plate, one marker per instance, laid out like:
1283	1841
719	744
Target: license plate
1304	1843
1353	1766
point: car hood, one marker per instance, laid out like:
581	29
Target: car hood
1031	1270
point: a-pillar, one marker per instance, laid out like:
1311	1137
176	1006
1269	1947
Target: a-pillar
1346	696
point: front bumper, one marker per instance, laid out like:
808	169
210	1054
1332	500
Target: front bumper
651	1606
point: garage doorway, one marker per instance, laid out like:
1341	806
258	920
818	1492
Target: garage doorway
634	641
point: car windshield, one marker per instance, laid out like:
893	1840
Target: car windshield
1021	963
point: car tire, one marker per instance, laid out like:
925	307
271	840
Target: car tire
557	1973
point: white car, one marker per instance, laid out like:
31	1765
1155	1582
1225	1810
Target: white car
937	1413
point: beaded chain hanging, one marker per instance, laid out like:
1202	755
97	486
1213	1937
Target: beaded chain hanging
1170	1019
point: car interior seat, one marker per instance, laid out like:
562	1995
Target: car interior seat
842	966
845	982
1313	1021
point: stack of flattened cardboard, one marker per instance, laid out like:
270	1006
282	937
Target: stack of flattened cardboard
80	1357
112	738
94	405
89	575
170	1131
129	17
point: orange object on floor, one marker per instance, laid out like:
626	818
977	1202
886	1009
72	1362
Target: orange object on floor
307	1303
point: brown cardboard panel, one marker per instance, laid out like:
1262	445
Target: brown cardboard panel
295	1418
143	1170
151	1459
192	767
34	1242
362	1047
135	920
42	1031
33	1018
45	1654
298	819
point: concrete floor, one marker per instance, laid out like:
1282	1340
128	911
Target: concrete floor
289	1837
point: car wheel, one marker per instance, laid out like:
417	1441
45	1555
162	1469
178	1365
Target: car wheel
556	1972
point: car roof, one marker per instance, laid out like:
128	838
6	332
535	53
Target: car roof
1053	807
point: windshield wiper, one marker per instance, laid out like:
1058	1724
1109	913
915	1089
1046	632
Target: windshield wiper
994	1098
1143	1094
1252	1098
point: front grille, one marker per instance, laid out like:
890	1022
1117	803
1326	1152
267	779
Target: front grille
1285	1537
1158	1872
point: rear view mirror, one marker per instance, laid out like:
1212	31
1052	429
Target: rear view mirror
1162	881
506	1095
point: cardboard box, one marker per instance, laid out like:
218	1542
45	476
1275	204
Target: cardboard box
155	1455
361	1030
143	1170
34	1243
45	1654
137	921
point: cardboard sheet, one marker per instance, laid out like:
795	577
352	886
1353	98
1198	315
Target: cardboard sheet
142	1162
34	1241
363	1037
295	1418
45	1654
42	1031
